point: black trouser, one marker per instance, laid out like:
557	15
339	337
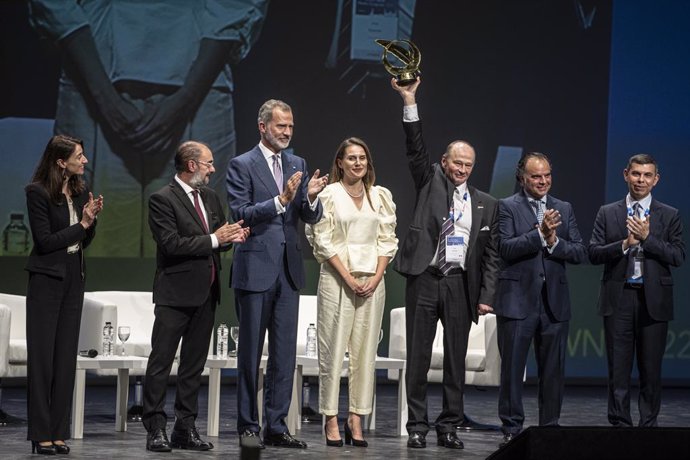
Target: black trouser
429	298
53	317
194	326
630	332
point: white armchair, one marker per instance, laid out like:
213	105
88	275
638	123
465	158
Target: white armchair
13	352
482	363
121	308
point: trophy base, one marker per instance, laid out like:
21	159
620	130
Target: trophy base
406	79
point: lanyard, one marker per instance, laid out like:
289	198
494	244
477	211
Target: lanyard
462	211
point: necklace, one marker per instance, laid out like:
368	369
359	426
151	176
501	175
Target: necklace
348	192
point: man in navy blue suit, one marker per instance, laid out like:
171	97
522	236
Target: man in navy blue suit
270	190
537	236
638	239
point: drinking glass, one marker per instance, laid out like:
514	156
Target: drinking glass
235	336
123	335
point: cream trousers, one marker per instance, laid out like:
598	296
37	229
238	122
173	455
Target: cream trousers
346	321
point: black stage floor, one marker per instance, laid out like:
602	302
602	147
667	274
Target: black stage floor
583	406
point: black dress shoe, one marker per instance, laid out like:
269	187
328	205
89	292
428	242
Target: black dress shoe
61	448
417	440
189	439
449	440
42	449
251	440
506	439
284	440
157	441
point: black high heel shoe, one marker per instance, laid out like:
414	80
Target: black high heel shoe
61	448
350	440
332	442
37	448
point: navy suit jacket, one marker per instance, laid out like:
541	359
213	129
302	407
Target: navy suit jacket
526	264
663	248
184	249
251	192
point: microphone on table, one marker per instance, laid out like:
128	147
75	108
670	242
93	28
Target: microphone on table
88	353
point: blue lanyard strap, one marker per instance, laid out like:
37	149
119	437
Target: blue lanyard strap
452	209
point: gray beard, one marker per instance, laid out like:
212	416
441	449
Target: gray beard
197	180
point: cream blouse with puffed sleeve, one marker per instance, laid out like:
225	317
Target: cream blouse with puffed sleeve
357	236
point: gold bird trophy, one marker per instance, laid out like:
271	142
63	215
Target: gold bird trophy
406	54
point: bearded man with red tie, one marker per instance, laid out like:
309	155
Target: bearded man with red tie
188	224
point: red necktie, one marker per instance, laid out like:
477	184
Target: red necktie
197	206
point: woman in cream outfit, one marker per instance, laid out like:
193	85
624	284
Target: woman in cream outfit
354	242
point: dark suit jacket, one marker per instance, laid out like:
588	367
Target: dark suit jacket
251	191
663	248
525	263
434	196
51	231
184	251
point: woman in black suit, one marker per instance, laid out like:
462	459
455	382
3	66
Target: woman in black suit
62	216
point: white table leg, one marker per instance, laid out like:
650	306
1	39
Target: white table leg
122	397
402	403
78	404
294	418
213	402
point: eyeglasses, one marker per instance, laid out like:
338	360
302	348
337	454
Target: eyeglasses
208	164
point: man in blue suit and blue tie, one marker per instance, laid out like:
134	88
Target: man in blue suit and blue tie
638	240
537	236
270	190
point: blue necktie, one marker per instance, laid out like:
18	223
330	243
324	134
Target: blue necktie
632	252
539	209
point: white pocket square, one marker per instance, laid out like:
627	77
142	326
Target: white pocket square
485	229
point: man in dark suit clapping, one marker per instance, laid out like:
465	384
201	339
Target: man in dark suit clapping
538	236
638	239
270	189
187	221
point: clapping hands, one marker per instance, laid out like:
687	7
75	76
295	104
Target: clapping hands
91	210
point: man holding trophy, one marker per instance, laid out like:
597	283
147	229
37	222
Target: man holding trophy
449	258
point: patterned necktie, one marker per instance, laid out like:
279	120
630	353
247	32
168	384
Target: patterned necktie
447	229
197	206
277	172
632	252
539	209
636	210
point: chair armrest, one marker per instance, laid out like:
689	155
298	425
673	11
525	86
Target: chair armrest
492	368
5	320
396	338
93	317
397	334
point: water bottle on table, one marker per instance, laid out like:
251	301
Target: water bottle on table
222	341
311	341
108	336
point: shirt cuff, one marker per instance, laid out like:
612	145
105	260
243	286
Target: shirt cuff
410	113
280	209
550	249
214	241
313	205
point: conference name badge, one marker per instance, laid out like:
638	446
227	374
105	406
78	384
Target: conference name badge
455	249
